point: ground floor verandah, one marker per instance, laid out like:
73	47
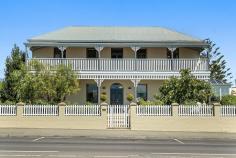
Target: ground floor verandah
116	91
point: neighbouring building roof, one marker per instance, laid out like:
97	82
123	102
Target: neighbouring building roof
97	35
218	82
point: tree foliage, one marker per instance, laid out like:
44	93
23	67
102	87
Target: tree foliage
44	86
217	63
66	82
184	89
13	66
228	100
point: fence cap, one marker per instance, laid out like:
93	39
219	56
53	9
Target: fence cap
133	104
104	104
20	104
216	104
62	104
175	104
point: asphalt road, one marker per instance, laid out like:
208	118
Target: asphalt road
70	147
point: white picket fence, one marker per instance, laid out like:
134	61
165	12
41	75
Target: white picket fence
153	110
40	110
82	110
8	110
118	116
195	110
228	110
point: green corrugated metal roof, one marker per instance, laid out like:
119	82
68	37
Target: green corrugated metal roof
115	34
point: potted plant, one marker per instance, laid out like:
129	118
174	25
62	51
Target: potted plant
130	97
103	97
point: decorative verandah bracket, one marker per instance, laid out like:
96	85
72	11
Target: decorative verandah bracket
172	49
99	82
135	82
62	49
99	49
135	49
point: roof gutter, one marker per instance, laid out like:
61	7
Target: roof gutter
116	44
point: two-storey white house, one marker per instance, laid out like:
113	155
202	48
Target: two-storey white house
120	60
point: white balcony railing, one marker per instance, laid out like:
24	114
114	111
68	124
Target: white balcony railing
127	64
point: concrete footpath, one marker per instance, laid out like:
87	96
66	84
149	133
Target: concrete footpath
112	134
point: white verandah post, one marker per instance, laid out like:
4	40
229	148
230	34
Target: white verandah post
99	83
172	49
135	82
99	49
135	49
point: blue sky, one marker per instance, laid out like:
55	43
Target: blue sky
215	19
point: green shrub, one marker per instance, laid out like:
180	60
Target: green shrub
89	103
103	98
7	102
158	102
228	100
42	102
187	87
130	97
148	102
190	102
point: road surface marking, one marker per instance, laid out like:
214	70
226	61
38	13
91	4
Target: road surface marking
21	151
20	155
38	139
62	156
111	156
195	154
179	141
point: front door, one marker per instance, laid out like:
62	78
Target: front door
116	94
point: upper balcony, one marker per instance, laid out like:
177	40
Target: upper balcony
127	65
139	52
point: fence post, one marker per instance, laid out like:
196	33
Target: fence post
216	111
61	107
19	107
132	113
175	107
104	115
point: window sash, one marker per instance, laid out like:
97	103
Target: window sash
142	53
92	53
142	91
92	93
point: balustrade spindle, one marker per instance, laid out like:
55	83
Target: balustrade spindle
105	64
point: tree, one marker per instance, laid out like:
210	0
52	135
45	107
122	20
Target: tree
43	86
184	89
217	63
65	82
14	63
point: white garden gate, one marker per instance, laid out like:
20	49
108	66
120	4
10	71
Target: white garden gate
118	116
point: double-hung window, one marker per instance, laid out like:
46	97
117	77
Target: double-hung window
142	91
92	93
